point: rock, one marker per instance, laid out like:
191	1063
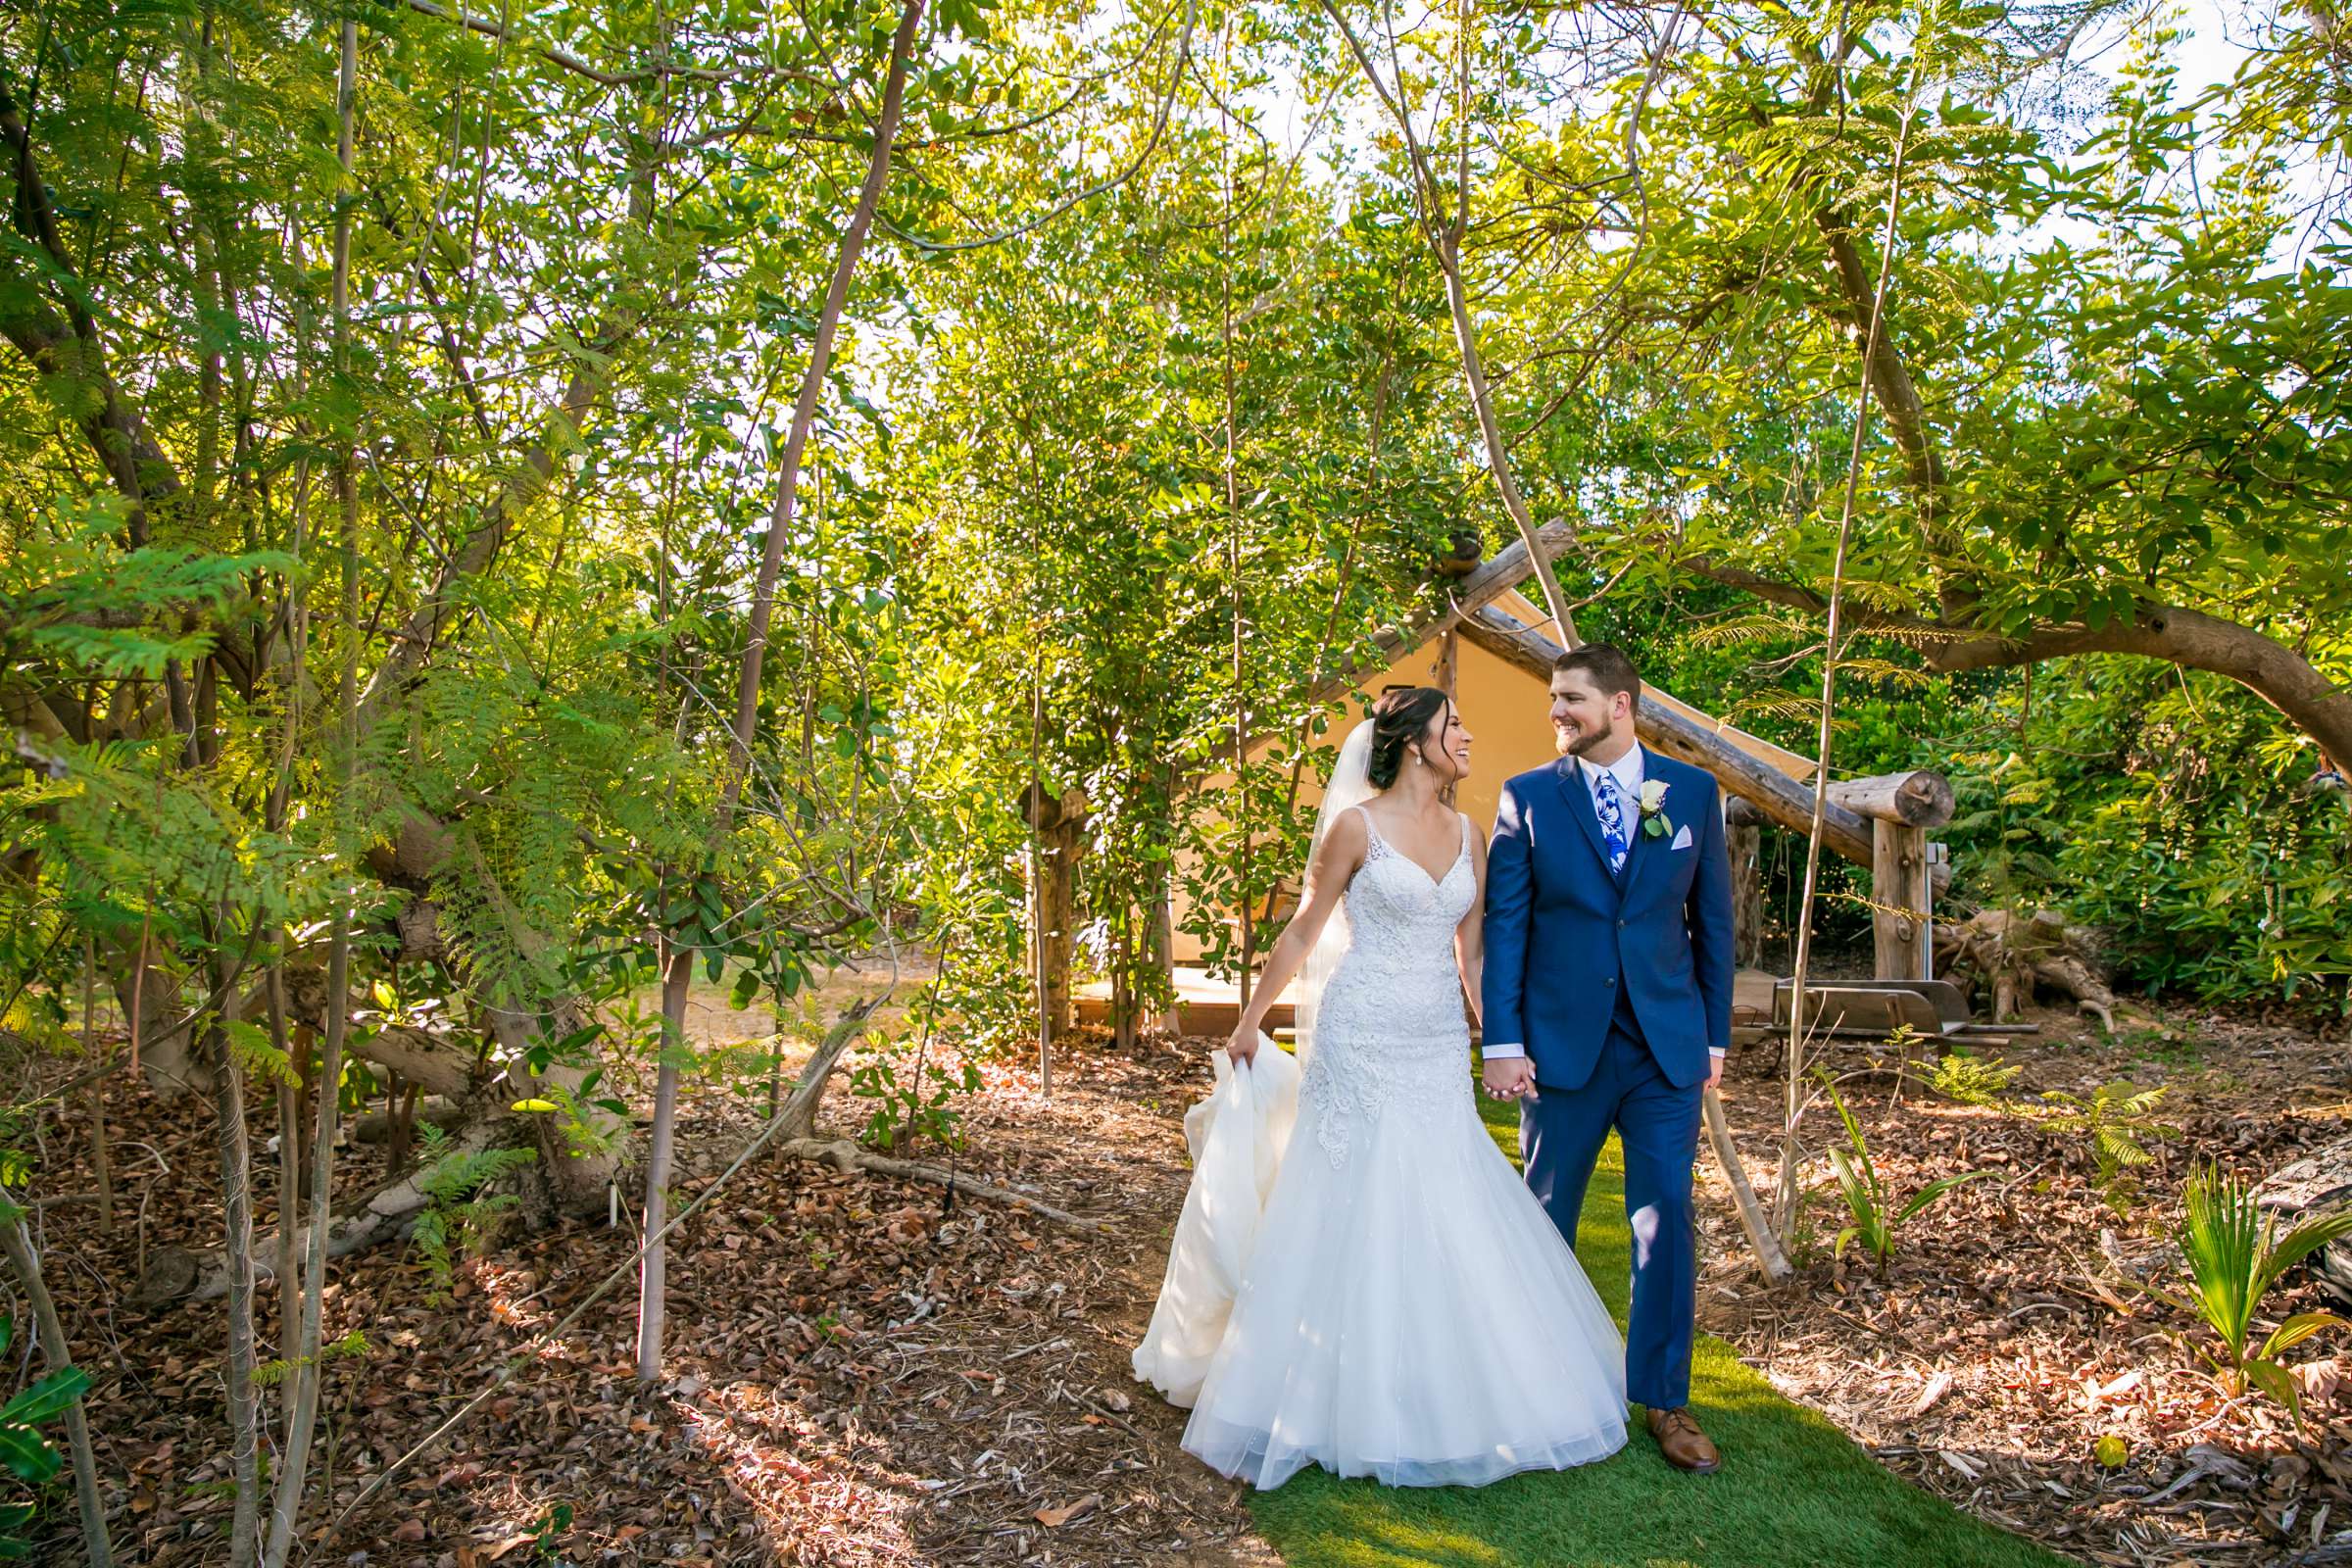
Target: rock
2314	1185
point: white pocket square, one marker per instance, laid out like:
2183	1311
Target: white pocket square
1682	839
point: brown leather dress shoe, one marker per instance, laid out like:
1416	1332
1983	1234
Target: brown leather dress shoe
1684	1447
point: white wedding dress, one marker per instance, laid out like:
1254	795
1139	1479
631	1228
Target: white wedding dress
1405	1309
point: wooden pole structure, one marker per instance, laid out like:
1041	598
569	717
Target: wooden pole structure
1743	835
1917	799
1899	901
1907	871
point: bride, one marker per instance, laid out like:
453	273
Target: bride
1405	1310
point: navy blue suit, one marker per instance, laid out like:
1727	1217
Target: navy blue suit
1616	986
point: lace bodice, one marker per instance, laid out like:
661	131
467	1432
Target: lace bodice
1390	1018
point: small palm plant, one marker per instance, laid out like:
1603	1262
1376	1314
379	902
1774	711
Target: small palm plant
1875	1218
2234	1257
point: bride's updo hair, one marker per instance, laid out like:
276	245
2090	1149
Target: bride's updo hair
1400	717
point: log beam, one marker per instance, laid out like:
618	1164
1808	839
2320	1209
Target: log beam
1465	602
1740	812
1917	799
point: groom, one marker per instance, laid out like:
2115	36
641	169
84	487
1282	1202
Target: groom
1609	998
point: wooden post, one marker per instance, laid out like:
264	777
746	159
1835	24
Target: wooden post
1901	897
1939	874
1449	660
1747	841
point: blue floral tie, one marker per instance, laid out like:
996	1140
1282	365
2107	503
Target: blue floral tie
1611	808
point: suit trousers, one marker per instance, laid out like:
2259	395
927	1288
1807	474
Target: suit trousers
1561	1132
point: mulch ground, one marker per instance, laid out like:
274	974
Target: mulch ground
858	1374
2017	1325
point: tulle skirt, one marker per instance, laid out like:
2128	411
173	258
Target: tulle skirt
1408	1311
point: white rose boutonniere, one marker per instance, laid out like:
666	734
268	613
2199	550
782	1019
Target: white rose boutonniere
1652	805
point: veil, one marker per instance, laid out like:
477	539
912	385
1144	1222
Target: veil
1351	785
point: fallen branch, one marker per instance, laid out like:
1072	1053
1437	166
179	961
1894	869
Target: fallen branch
1770	1256
176	1273
846	1157
2016	951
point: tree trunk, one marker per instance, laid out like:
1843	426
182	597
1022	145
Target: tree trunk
677	976
101	1160
812	384
1122	981
163	1031
1163	954
2192	640
1062	844
244	1411
302	1376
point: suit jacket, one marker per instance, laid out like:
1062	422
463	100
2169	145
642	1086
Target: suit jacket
1563	935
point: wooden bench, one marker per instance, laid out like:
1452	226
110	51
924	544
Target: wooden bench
1872	1009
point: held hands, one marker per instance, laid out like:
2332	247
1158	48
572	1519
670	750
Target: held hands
1513	1078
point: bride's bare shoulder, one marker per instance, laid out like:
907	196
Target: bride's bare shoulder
1347	839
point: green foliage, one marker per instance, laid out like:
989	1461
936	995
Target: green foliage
2120	1121
909	1099
456	1209
548	1533
2234	1257
2171	815
351	1346
1875	1219
24	1452
1973	1079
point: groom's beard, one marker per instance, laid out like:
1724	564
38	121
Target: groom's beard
1582	741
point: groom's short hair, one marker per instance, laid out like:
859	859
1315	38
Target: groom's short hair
1607	667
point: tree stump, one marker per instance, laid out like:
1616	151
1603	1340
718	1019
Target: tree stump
2015	952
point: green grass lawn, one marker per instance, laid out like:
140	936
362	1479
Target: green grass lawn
1793	1490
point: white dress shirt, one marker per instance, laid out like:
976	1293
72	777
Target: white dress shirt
1628	771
